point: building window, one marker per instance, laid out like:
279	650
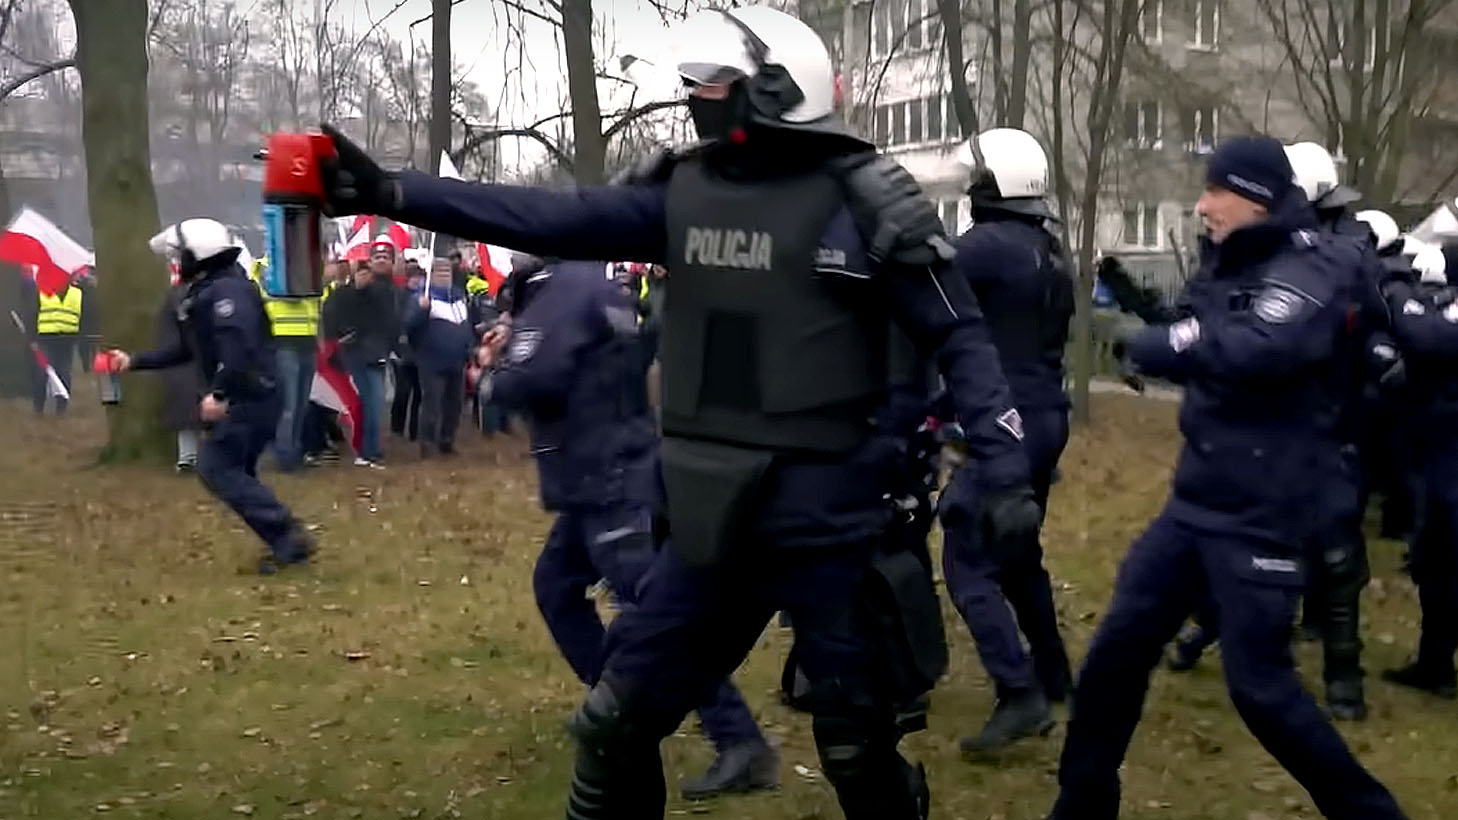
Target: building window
1151	20
1142	127
907	26
1207	23
1141	226
916	26
912	122
1202	129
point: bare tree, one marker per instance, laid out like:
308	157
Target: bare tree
440	82
111	53
1366	72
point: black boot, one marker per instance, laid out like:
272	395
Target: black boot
1016	716
1345	699
1418	675
748	766
1187	649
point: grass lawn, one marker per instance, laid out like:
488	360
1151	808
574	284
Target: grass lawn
145	673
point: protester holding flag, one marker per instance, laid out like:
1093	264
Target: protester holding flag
363	318
442	332
59	321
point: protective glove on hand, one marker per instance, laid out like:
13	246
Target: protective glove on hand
1010	522
356	184
1006	520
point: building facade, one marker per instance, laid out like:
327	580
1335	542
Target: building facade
1193	72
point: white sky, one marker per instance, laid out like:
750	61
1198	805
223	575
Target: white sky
479	37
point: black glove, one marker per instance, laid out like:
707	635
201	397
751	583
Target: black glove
1010	521
356	184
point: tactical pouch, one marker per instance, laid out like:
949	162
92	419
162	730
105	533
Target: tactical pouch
905	620
710	489
902	619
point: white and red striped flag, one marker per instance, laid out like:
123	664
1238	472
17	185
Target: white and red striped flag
54	386
31	239
333	389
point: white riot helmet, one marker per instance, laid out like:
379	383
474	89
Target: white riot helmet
1009	171
788	81
197	245
1315	173
1384	228
1431	266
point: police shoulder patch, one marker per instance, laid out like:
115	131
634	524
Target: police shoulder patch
223	308
1011	421
1277	306
523	345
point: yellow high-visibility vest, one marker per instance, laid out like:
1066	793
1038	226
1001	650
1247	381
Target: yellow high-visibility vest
288	316
476	285
59	314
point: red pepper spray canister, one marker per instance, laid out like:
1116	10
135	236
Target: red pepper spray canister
293	210
107	383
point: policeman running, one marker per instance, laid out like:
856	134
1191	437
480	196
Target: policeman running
791	247
222	327
1425	322
1263	324
1019	273
573	368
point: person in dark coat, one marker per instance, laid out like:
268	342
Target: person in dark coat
441	328
405	408
181	385
364	317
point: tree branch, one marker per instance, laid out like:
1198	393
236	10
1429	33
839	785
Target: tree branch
415	23
628	117
36	73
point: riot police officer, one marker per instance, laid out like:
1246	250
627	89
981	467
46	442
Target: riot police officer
572	367
224	329
1425	322
791	248
1264	320
1369	362
1020	275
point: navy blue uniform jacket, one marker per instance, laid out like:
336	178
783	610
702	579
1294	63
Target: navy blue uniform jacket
806	501
1272	306
225	330
1028	298
572	367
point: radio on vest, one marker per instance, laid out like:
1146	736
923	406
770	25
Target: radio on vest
293	200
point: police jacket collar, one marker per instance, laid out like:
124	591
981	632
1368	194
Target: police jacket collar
991	211
771	153
1258	242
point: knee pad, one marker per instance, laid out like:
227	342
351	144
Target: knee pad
871	778
618	774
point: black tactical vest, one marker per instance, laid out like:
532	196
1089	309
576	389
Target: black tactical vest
758	349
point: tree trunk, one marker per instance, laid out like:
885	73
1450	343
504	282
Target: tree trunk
589	147
1022	49
14	361
951	13
111	46
440	82
1120	18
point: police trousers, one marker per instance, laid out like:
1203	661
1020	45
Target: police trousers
1435	558
616	545
988	595
693	627
1252	588
228	466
